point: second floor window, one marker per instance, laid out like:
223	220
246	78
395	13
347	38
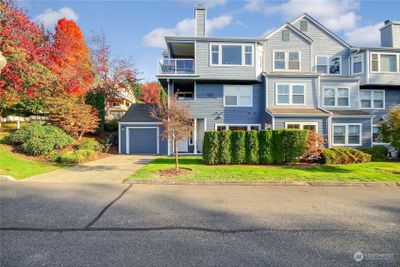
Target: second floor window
229	55
358	62
328	65
238	95
290	94
287	61
336	97
385	62
373	99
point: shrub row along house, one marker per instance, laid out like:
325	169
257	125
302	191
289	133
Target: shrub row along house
300	76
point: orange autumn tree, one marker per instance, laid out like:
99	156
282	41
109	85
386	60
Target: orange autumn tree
71	58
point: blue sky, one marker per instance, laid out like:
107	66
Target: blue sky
136	28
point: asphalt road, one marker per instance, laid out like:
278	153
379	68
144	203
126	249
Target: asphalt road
44	224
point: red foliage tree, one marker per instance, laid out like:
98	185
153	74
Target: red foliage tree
150	92
71	59
25	45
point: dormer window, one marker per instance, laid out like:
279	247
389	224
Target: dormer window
286	35
304	25
328	65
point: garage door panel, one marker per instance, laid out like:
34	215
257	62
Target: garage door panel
142	141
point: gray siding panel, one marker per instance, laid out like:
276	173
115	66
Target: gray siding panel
206	71
325	45
123	139
384	78
366	128
310	90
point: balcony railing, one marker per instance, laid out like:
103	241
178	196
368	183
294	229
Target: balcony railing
176	66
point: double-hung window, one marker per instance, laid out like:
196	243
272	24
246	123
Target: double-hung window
383	62
231	55
372	99
290	94
238	95
346	134
328	65
358	62
336	97
287	60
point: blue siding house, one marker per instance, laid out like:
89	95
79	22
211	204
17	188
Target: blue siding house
299	76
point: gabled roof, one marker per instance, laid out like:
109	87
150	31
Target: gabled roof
138	113
291	27
322	27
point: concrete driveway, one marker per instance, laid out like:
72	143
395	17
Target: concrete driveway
112	169
152	225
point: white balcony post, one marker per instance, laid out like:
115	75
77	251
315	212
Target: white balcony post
195	136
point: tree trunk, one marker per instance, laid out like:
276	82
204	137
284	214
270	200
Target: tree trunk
80	136
176	156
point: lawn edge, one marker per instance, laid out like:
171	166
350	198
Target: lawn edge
265	183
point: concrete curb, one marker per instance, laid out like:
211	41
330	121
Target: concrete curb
266	183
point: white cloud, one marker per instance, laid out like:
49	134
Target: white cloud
155	38
50	17
337	15
207	3
365	36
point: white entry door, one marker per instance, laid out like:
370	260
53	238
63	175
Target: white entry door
183	146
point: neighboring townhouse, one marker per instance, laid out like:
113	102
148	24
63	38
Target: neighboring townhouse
300	76
117	105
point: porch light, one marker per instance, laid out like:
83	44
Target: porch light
3	61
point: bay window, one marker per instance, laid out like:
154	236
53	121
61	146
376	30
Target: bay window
346	134
238	95
328	65
385	62
286	60
336	97
290	94
372	99
231	55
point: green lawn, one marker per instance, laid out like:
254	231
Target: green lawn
366	172
18	167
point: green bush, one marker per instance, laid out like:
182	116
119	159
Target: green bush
78	156
343	155
224	152
91	144
378	153
295	143
278	152
238	147
111	126
210	147
38	139
97	100
265	143
252	147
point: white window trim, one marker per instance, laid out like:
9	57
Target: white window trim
302	123
362	63
238	105
290	94
372	136
372	98
232	44
346	134
286	60
379	62
336	96
329	60
228	125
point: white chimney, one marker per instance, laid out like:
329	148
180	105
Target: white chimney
200	20
390	34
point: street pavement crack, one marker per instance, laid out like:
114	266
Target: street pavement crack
106	207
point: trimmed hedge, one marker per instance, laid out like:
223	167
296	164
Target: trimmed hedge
378	153
344	155
38	139
78	156
254	147
238	147
91	144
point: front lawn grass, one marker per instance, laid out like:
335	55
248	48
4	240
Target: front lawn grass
365	172
20	167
